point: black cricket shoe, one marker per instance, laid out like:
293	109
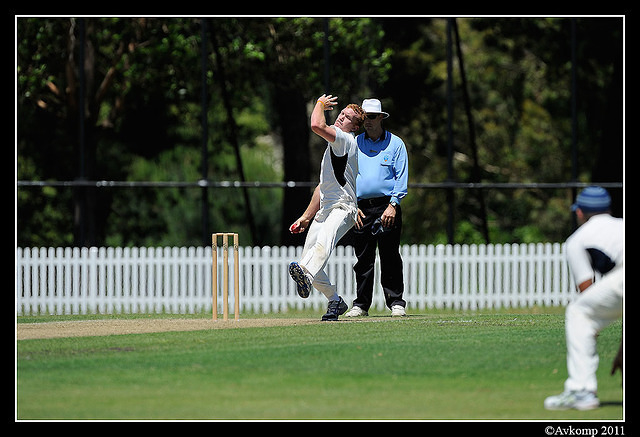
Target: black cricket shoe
303	284
336	308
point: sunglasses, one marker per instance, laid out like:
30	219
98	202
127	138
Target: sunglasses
372	116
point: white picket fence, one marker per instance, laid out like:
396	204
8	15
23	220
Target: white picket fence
177	280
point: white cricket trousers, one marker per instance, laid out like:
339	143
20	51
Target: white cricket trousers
593	310
322	237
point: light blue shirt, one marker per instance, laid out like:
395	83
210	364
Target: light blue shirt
382	167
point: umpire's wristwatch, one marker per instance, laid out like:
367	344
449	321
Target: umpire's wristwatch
394	204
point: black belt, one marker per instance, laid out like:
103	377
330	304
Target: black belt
374	201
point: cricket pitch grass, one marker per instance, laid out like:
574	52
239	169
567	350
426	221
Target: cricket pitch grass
432	366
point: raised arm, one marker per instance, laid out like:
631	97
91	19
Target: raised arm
318	122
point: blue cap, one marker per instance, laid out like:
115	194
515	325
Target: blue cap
592	199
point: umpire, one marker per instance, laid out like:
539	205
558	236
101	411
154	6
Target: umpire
381	185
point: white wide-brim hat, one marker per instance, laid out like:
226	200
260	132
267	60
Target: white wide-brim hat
373	106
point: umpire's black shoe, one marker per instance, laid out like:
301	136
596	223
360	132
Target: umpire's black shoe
336	308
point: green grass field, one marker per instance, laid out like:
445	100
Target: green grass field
447	366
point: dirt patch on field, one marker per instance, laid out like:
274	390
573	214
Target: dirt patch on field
84	328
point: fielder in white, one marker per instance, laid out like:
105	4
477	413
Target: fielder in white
333	208
595	253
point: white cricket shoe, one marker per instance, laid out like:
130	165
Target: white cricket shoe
398	311
580	400
356	311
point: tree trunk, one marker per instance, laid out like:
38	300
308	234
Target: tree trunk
294	121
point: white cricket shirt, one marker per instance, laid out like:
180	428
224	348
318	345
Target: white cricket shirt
596	247
338	173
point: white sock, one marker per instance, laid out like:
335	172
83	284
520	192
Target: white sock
334	296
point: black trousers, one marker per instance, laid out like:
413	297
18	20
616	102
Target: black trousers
388	244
